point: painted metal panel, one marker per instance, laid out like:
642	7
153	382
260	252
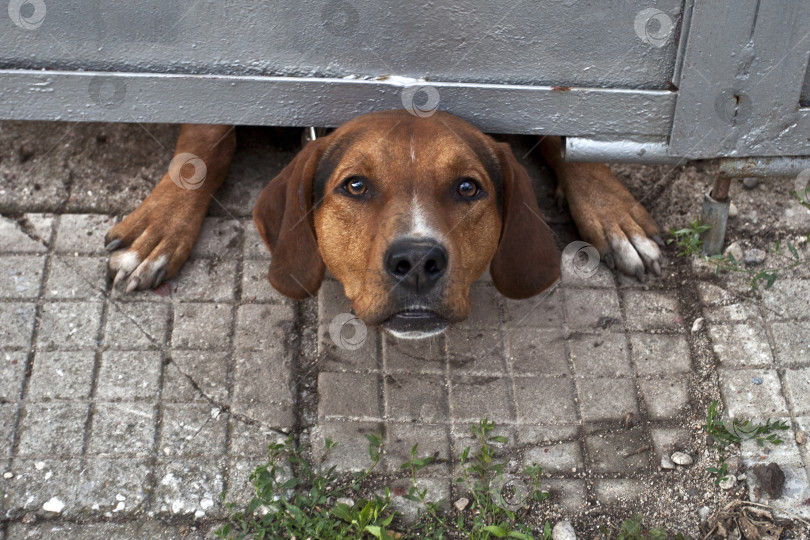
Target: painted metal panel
93	96
744	67
529	42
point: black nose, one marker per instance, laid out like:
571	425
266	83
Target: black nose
417	265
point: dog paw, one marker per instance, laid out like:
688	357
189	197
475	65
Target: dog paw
617	225
153	242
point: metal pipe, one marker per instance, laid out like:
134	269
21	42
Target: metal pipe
719	191
764	166
621	151
714	214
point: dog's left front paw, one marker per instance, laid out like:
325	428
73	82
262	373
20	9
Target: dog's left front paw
616	224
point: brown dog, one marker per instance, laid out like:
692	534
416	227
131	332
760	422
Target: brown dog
406	212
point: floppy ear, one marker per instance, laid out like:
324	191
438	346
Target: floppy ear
284	219
526	261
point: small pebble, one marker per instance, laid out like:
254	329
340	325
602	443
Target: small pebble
750	183
345	500
732	210
461	504
704	513
728	483
733	465
682	458
735	251
54	505
801	438
563	530
667	463
754	256
756	380
697	326
8	475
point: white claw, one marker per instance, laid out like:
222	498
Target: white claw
626	257
648	251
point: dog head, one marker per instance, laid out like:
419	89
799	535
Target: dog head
406	212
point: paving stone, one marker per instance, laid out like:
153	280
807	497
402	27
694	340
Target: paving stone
542	400
432	440
660	354
745	399
69	325
255	286
202	326
438	489
556	458
188	488
792	340
18	324
786	453
537	352
129	375
787	299
606	399
600	277
192	430
797	384
36	481
240	489
473	398
126	428
14	239
61	375
475	351
609	452
136	325
76	278
262	388
349	395
610	490
106	481
252	440
803	423
415	398
20	276
211	280
665	398
255	247
741	345
331	302
12	370
208	370
219	238
52	429
600	355
592	309
8	411
82	233
669	440
264	327
652	310
569	494
486	308
542	311
143	529
351	452
412	356
744	311
357	353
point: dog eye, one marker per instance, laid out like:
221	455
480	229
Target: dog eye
468	188
356	185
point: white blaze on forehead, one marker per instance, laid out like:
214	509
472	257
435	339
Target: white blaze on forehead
420	224
413	150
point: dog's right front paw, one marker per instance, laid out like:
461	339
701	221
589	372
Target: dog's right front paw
153	242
